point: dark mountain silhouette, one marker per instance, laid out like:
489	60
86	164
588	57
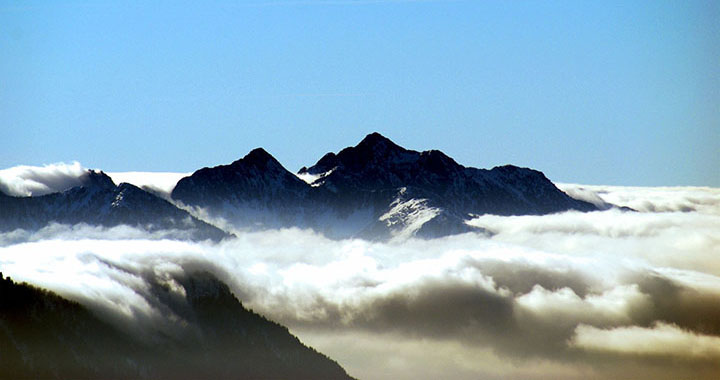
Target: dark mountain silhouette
375	189
100	202
44	336
255	190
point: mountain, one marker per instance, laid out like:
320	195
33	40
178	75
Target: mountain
43	335
375	190
255	190
98	201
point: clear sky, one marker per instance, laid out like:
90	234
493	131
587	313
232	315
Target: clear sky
596	92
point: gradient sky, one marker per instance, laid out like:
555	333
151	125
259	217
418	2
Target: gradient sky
601	92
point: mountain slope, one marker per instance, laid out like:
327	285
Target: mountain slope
375	190
376	164
45	336
255	190
100	202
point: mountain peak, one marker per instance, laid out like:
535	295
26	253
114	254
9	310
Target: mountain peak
373	148
377	142
254	180
258	154
259	158
374	138
97	179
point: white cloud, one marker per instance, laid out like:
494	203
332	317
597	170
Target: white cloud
26	181
544	290
160	183
662	339
686	240
613	306
650	199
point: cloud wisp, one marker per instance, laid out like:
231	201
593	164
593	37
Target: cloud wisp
572	295
160	183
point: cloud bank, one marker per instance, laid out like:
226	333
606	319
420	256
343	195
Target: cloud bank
649	199
606	294
25	181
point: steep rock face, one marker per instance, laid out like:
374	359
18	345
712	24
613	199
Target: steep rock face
46	336
375	189
100	202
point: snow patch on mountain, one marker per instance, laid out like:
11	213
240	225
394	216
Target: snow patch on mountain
314	179
407	216
307	177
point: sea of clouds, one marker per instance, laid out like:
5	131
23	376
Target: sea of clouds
608	294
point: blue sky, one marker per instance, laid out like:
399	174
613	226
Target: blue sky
602	92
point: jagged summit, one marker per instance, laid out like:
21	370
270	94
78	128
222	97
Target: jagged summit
253	163
257	157
96	179
378	143
373	149
258	170
377	163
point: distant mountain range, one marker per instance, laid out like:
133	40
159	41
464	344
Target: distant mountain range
374	190
99	202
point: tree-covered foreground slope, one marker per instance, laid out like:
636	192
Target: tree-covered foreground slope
44	336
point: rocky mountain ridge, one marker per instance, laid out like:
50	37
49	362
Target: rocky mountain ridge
99	202
375	190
